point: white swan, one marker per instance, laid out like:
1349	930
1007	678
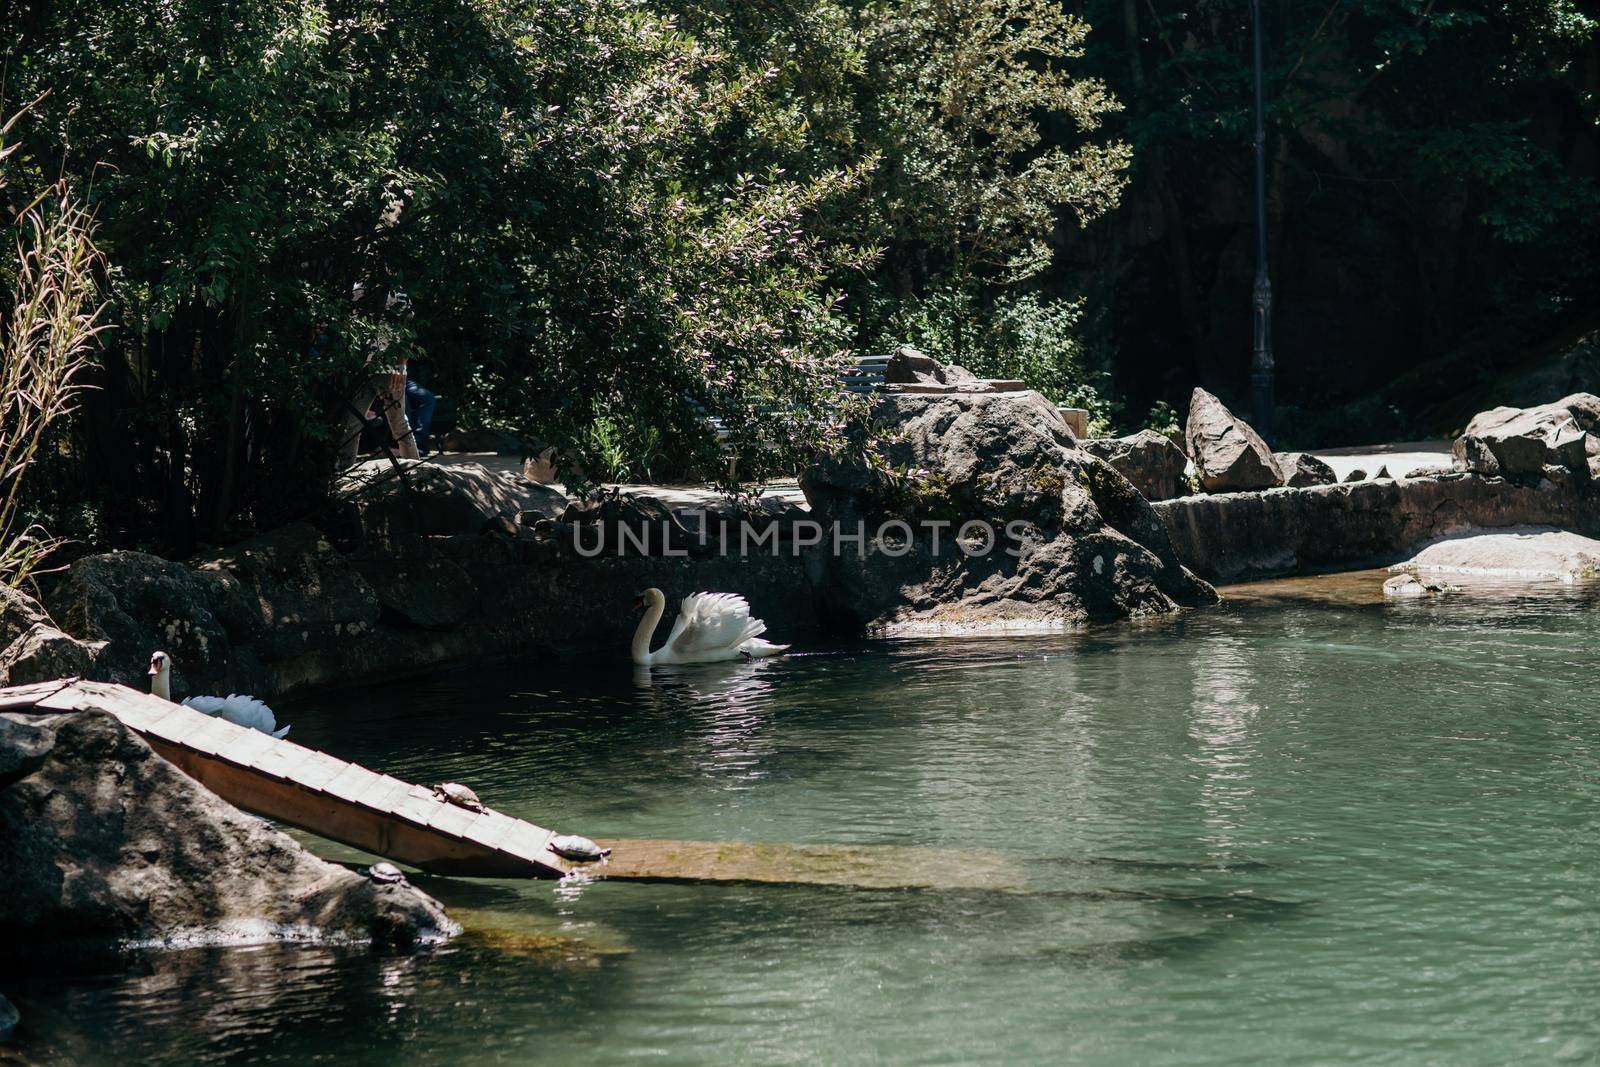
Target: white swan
237	709
710	628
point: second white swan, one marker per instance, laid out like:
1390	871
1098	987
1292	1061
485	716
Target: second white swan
710	628
236	708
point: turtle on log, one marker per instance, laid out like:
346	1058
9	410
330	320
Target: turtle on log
459	795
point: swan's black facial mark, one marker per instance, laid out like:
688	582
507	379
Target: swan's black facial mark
638	600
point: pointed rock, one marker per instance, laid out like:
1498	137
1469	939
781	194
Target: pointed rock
1228	455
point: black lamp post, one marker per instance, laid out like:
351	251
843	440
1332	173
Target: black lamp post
1261	366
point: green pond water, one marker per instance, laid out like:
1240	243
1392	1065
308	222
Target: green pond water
1305	827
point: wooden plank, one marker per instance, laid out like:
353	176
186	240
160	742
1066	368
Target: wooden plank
69	698
246	746
491	828
351	782
281	760
319	769
210	736
140	717
177	725
415	807
530	842
158	716
26	696
384	794
451	819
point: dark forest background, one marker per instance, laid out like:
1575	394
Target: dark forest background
616	218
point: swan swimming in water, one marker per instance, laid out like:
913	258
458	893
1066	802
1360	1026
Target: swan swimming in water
710	628
237	709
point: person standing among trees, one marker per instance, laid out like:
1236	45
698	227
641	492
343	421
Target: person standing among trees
384	387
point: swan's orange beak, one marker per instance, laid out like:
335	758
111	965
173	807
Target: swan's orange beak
638	601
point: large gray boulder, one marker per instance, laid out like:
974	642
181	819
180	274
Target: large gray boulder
1508	441
32	649
19	613
102	842
1150	460
44	654
137	603
1302	469
1229	456
1074	540
908	366
287	591
396	509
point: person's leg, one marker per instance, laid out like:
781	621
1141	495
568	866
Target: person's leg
394	409
420	403
351	423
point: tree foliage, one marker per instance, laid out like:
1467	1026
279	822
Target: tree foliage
616	220
1431	184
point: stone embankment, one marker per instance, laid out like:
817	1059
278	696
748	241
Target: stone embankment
1238	536
1511	468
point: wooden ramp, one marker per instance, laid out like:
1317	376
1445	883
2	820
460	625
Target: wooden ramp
317	792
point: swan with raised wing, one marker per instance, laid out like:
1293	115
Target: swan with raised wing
236	708
710	628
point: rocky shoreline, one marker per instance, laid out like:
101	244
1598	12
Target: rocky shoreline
420	566
106	847
423	566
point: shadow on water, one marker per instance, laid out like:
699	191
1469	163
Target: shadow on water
1310	826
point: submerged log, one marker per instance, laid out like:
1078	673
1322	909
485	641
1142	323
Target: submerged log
857	866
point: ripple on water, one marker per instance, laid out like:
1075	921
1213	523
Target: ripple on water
1301	828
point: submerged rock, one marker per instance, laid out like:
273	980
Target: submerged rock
104	843
1073	540
1301	469
9	1018
1148	459
1529	552
1229	456
1410	583
1510	441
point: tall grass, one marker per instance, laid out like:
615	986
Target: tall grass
46	341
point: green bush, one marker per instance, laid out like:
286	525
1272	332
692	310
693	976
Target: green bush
1020	336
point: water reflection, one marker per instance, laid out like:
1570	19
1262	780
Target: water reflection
1286	831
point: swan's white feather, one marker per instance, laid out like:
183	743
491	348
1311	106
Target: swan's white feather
709	622
239	710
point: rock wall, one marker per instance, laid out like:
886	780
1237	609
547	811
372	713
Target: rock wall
1087	544
1237	536
103	842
